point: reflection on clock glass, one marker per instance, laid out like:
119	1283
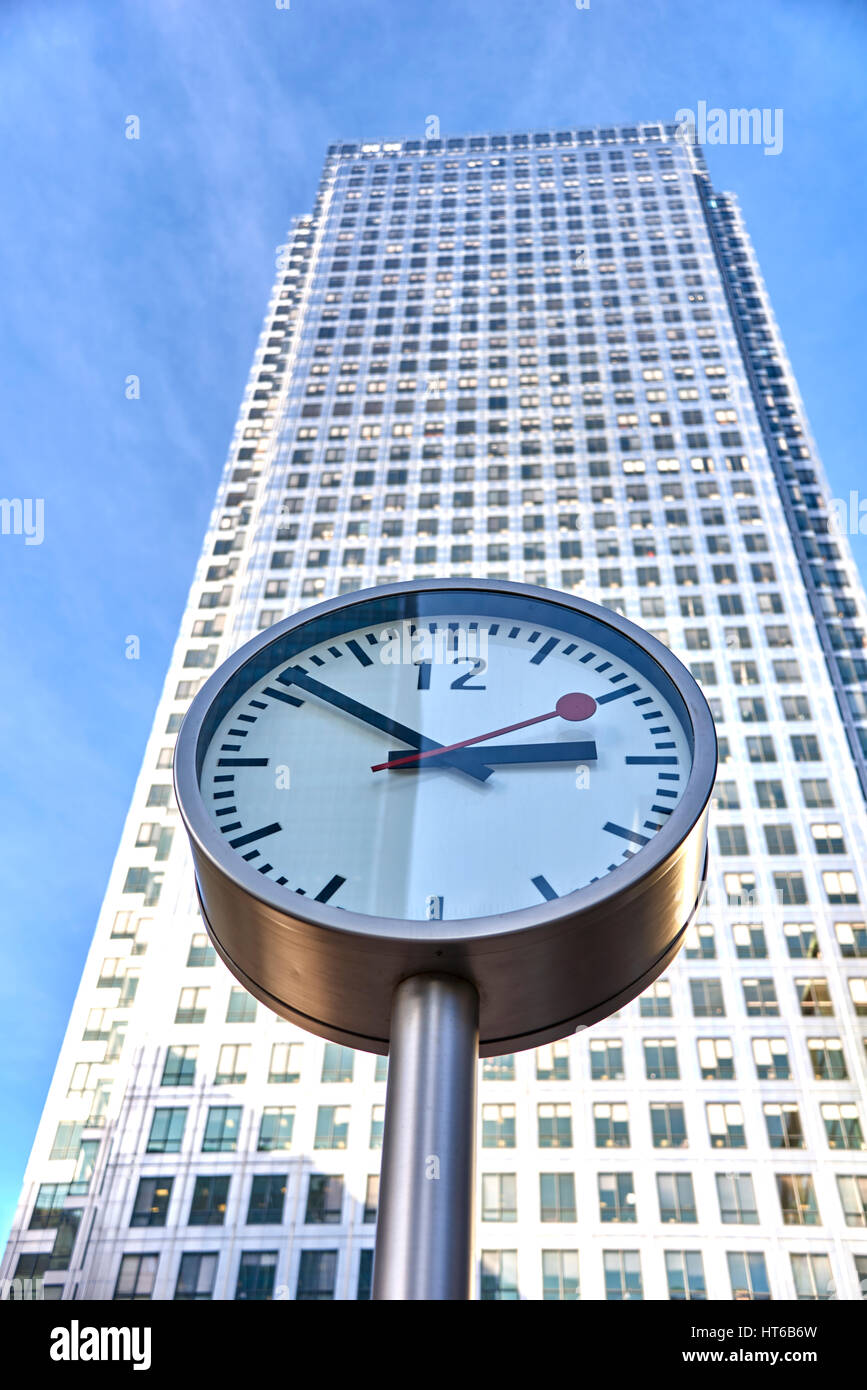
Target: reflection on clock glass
444	755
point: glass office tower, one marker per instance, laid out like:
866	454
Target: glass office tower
547	357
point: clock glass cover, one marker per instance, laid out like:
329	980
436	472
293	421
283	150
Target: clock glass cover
444	755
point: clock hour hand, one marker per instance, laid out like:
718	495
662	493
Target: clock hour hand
584	752
293	675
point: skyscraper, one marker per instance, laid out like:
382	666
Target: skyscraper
545	356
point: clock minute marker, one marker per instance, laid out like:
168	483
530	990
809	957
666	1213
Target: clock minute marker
614	829
252	835
633	761
331	887
544	887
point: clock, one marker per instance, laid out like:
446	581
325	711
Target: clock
484	779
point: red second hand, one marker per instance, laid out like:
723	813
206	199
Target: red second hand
574	707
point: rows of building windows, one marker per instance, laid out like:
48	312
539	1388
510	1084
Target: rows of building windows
265	1203
317	1275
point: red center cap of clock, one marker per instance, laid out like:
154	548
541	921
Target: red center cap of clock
575	706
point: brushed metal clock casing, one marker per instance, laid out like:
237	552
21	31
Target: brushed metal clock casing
541	972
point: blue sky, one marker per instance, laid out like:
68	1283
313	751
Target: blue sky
155	257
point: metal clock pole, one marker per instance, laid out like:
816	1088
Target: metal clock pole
425	1222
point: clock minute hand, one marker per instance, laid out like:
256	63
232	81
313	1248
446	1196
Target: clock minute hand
584	752
295	676
573	707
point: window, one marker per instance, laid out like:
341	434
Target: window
737	1199
559	1275
858	992
606	1060
700	942
557	1197
256	1273
285	1065
770	795
840	887
371	1199
377	1126
196	1277
707	998
622	1275
732	839
771	1057
760	998
498	1068
812	1276
827	1059
552	1062
232	1064
853	1199
798	1200
221	1129
324	1200
192	1005
242	1007
151	1202
555	1126
801	941
676	1197
616	1197
498	1126
813	997
332	1127
136	1277
210	1198
842	1126
167	1130
499	1276
660	1059
716	1059
725	1125
180	1066
816	792
828	838
851	938
749	1276
267	1196
499	1197
655	1002
749	941
365	1275
611	1124
48	1209
337	1063
783	1123
275	1130
685	1274
668	1125
201	952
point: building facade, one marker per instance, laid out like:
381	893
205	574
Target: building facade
547	357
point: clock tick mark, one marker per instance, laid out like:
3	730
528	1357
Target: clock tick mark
359	653
252	835
545	650
282	695
544	887
330	888
616	694
614	829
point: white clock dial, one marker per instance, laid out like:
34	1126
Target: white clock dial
566	750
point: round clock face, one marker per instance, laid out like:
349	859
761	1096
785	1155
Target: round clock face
444	755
